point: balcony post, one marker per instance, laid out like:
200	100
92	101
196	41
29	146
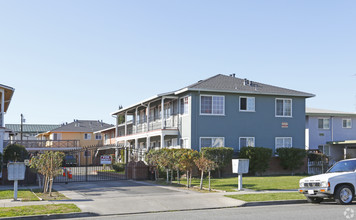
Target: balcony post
136	122
2	107
148	116
162	141
162	113
125	123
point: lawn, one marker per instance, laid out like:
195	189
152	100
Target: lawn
38	210
23	194
259	197
254	183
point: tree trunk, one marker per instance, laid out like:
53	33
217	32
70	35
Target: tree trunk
50	186
190	178
45	190
219	172
209	182
156	176
172	175
178	176
201	179
187	178
167	171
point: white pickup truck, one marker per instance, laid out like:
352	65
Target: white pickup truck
338	182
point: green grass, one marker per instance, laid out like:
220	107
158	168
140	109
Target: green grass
259	197
254	183
112	171
23	194
38	210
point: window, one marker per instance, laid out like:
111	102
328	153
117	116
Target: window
184	105
184	142
283	142
247	104
87	136
346	123
211	142
212	105
323	123
247	142
97	136
167	110
57	137
284	107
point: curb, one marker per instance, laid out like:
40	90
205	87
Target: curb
280	202
55	216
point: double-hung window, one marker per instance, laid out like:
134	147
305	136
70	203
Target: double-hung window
247	142
87	136
284	107
212	142
324	123
346	123
212	105
247	104
281	142
184	105
97	136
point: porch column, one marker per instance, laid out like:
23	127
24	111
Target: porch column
136	121
162	141
345	152
116	136
148	143
162	113
2	124
136	143
125	123
148	116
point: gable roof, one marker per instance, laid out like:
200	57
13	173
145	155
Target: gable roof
325	112
223	83
31	128
82	126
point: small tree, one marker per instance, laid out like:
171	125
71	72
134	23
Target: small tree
49	165
291	158
15	153
259	158
186	162
204	165
152	159
220	155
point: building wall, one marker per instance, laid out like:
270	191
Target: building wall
261	124
336	132
80	136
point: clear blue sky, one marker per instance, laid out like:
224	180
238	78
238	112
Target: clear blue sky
82	59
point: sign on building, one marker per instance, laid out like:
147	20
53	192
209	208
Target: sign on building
105	159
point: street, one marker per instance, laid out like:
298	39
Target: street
275	212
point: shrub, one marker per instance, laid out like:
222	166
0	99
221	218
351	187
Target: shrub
259	158
220	155
119	167
291	158
15	153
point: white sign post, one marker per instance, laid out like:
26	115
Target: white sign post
105	159
15	172
240	166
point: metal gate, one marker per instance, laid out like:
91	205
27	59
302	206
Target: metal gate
83	165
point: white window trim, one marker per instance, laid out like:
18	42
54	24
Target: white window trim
275	142
211	138
254	143
89	134
254	98
101	137
346	123
291	108
223	114
323	124
179	105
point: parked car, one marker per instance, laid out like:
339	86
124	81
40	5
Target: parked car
338	183
69	161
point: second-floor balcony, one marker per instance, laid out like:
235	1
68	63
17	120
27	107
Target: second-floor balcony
45	144
171	122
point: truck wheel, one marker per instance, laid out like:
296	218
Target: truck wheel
314	199
344	195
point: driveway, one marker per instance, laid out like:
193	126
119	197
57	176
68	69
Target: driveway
125	196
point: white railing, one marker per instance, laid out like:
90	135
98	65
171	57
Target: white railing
171	122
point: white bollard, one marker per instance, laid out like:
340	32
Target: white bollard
240	182
15	189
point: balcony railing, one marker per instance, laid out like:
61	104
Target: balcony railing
1	120
45	143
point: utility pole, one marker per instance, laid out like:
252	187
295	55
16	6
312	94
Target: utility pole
22	121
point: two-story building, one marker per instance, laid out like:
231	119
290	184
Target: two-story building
6	93
331	132
219	111
28	131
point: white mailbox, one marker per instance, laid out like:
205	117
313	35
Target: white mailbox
16	171
240	166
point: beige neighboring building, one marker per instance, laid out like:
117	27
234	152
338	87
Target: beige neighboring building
6	93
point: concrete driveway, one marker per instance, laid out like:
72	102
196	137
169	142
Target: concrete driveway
125	196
